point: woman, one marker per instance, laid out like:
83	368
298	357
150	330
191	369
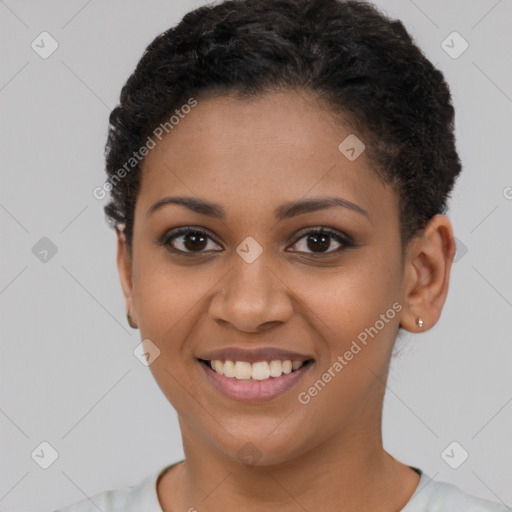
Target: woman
279	172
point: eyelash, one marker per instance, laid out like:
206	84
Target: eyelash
345	242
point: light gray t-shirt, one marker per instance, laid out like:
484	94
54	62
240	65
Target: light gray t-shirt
430	496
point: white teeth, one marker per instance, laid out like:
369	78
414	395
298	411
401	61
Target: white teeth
218	366
262	370
276	368
243	370
228	369
296	365
287	366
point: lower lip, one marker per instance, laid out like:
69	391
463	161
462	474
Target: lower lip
254	390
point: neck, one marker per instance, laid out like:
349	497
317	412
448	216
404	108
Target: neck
347	472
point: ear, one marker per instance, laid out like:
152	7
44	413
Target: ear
124	267
428	263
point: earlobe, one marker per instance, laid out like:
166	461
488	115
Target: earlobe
427	275
124	267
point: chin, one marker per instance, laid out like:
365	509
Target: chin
257	448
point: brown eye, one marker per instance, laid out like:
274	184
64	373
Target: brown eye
319	240
189	241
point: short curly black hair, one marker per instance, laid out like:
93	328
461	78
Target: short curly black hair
364	65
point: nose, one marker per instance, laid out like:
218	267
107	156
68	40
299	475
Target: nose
253	297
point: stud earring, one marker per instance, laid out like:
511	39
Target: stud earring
131	323
419	322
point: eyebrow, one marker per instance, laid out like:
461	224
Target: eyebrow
282	212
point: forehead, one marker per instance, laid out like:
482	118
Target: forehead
266	149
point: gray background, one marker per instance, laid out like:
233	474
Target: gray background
68	374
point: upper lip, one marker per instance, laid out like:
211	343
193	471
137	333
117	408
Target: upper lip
253	355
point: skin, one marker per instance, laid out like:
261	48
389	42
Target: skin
251	156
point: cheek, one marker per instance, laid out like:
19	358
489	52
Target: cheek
353	297
164	295
356	317
356	313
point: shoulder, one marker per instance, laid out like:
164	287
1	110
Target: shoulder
134	498
431	496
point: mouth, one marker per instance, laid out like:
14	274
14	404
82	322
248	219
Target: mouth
258	371
254	381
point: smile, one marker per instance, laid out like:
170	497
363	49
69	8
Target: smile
258	381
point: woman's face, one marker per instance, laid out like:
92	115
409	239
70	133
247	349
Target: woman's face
258	282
